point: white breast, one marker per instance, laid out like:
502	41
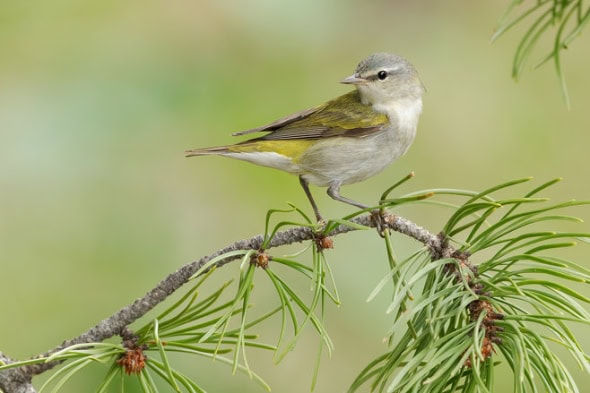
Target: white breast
404	112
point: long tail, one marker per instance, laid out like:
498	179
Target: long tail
219	150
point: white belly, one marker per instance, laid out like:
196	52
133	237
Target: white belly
351	160
269	159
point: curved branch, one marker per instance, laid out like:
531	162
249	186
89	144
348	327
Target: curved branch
114	324
14	380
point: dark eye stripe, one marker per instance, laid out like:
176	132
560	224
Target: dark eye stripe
374	77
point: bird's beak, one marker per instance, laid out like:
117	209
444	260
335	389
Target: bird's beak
353	80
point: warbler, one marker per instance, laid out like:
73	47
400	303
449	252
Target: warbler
345	140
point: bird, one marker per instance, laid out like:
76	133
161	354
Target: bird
345	140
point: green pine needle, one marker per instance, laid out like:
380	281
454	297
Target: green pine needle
460	324
567	17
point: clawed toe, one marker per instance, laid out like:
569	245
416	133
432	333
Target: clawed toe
379	218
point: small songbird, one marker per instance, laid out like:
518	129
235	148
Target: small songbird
345	140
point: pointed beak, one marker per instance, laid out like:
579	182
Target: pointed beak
353	80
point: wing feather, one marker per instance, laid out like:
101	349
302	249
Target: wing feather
279	123
327	120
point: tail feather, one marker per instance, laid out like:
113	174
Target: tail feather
219	150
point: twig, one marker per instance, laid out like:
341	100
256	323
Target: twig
14	380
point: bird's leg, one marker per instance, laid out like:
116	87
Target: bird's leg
321	240
334	192
305	186
376	216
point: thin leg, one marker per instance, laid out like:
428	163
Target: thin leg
334	192
376	216
305	186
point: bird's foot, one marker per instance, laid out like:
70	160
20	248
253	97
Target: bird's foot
320	225
381	220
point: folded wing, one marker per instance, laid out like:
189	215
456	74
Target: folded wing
344	116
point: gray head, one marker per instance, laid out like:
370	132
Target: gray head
383	77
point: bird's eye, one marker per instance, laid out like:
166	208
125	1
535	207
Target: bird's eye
382	75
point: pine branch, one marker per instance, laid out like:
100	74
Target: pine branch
459	313
14	380
18	379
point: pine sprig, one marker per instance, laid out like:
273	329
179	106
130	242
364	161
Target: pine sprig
466	317
567	17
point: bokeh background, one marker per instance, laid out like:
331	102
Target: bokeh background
98	100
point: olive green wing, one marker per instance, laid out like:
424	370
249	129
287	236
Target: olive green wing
281	122
344	116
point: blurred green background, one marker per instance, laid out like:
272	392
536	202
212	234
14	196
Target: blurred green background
98	100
